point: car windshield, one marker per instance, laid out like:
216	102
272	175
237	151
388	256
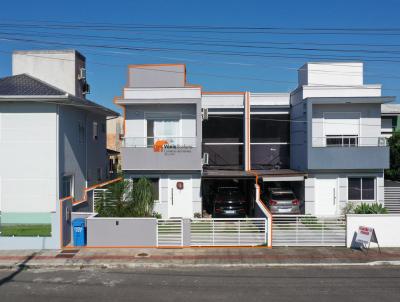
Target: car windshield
229	191
282	196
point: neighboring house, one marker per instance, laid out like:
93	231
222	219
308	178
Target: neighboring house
390	119
52	139
336	136
323	139
115	133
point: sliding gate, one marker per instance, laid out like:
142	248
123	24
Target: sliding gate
307	230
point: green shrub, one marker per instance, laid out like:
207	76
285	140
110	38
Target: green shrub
127	199
374	208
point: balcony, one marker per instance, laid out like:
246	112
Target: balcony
348	152
161	153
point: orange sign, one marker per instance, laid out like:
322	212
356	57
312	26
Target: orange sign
159	145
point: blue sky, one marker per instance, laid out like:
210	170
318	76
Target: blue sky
270	73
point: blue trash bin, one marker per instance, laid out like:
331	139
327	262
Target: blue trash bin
79	234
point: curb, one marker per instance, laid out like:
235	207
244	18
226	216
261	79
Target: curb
81	266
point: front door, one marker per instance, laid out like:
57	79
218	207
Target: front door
326	196
180	197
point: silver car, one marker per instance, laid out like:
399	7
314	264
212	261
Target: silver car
282	201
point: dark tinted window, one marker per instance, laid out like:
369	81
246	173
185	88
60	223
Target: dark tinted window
282	196
361	188
355	188
224	156
224	128
267	128
270	157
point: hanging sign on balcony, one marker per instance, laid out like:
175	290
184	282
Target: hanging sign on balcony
169	149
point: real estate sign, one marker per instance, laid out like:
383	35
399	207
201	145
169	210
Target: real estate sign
366	235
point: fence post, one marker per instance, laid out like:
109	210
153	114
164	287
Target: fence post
213	233
157	232
266	232
297	229
182	232
323	231
239	233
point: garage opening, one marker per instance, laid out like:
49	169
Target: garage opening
228	197
283	194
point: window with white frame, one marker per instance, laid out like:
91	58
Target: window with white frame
162	128
361	188
341	128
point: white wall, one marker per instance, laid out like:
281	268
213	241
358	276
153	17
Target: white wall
331	73
386	227
28	157
369	119
57	68
311	199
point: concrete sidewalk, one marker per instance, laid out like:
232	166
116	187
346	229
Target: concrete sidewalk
143	257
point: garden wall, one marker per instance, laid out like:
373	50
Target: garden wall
106	231
387	228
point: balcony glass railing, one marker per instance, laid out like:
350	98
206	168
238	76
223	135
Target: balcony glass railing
151	142
348	141
25	224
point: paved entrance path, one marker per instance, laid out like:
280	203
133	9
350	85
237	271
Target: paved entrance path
136	257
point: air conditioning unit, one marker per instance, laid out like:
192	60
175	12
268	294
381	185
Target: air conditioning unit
82	74
85	88
205	159
204	113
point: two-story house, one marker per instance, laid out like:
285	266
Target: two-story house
52	139
162	136
336	136
323	140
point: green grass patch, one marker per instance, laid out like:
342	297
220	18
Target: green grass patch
25	230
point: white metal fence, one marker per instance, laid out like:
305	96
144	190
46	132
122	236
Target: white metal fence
392	199
307	230
169	232
228	232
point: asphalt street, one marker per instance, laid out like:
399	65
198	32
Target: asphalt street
203	284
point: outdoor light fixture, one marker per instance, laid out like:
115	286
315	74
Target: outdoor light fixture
179	185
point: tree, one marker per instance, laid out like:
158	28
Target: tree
127	199
394	143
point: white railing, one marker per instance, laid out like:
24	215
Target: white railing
307	230
150	142
228	232
169	232
349	141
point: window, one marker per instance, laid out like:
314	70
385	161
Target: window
223	129
341	141
160	128
67	186
81	133
266	128
361	188
95	131
99	174
103	128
